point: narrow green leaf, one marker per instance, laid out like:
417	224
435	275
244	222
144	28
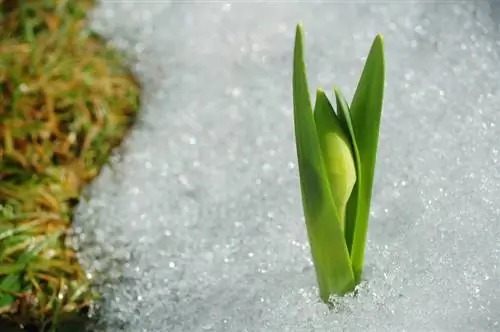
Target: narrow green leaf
346	122
9	285
6	269
328	249
337	154
366	110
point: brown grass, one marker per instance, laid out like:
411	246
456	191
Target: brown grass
66	100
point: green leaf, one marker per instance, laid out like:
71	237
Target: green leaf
328	249
366	110
346	122
337	154
9	285
6	269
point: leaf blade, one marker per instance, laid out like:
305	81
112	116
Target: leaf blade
9	286
366	110
330	255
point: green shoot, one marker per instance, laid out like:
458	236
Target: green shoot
336	153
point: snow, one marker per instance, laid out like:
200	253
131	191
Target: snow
198	224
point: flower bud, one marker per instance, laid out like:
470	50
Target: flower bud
337	154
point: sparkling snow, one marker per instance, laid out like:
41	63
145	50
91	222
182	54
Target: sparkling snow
198	224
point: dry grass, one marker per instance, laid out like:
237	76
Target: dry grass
65	101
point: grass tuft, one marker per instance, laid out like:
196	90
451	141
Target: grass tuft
66	100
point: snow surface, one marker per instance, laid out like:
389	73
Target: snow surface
198	224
